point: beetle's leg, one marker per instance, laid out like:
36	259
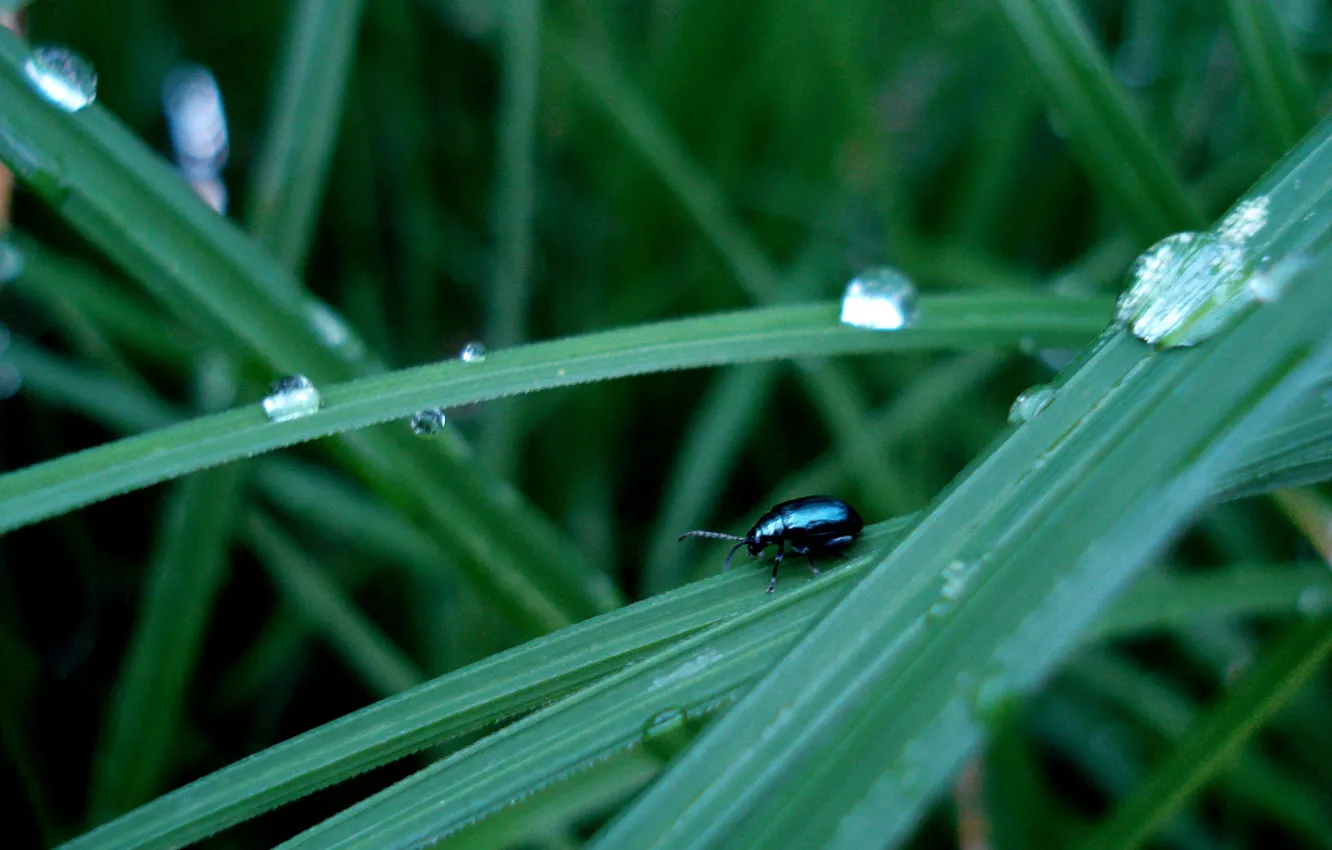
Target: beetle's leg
808	552
781	550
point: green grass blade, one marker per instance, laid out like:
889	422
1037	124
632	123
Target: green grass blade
498	687
866	719
1297	655
292	166
1106	131
1278	87
536	673
107	185
723	418
190	563
515	204
383	667
59	485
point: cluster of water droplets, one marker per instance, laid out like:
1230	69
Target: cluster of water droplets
1188	286
430	422
62	76
291	397
880	299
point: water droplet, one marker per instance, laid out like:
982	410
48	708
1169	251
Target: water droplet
10	380
428	422
666	733
332	330
1184	289
1030	402
1314	601
473	352
956	577
991	699
1243	221
62	76
291	398
880	299
11	262
196	120
37	169
1270	279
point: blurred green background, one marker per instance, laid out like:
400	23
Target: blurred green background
479	187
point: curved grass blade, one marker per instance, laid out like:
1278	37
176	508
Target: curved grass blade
1105	130
110	187
866	719
1276	678
1278	87
59	485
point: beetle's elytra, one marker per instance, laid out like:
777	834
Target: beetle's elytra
813	525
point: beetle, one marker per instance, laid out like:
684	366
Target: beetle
813	525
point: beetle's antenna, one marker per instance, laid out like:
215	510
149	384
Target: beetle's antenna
715	535
727	564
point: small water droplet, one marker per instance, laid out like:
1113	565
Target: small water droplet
332	330
1030	402
881	299
1270	279
473	352
1184	289
62	76
1314	601
992	698
35	168
291	398
196	121
10	380
666	733
11	262
428	422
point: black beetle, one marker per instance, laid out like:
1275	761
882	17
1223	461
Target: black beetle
813	525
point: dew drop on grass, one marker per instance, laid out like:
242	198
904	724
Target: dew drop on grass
473	352
666	733
11	262
427	423
62	76
291	398
1184	289
196	120
879	299
1030	402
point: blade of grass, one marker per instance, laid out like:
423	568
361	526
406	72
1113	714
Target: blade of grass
1278	87
292	165
515	205
383	667
519	680
832	391
865	720
1284	668
723	419
107	185
59	485
1104	128
133	760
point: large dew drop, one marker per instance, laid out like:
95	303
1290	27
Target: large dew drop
427	423
62	76
1184	289
473	352
291	398
1029	403
879	299
195	120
